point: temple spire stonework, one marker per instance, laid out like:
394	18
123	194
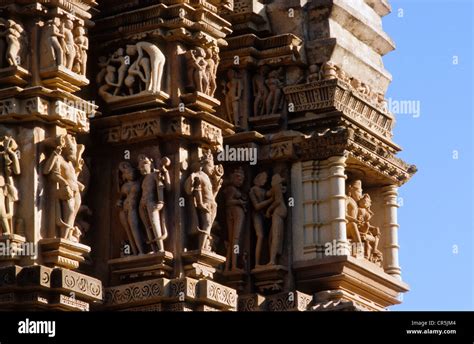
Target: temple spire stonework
211	155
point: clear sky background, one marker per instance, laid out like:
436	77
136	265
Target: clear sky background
436	218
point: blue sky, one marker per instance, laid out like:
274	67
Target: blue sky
437	211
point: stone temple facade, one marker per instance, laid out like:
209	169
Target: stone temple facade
197	155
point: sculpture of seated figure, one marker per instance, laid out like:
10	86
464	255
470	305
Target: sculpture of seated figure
369	234
359	229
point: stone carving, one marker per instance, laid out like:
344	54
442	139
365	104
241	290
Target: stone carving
128	203
152	202
314	74
359	229
198	76
63	168
203	185
212	59
69	46
258	196
12	39
82	45
236	207
274	101
260	91
120	77
233	90
277	212
9	167
63	43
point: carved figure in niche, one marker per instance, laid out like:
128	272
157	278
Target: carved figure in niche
197	68
236	207
274	98
354	195
13	37
260	91
358	215
258	196
153	66
203	185
152	202
9	167
63	167
82	45
129	204
369	234
277	211
52	48
69	46
233	91
212	59
314	74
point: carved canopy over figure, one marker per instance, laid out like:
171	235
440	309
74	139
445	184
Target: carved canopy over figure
277	211
236	207
358	215
9	167
152	202
12	40
120	77
63	168
202	185
258	196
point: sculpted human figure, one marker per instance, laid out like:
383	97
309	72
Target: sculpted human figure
82	45
139	68
212	59
63	167
9	167
13	37
277	211
258	197
128	203
197	68
236	207
69	45
233	94
52	46
152	202
370	235
202	185
274	84
156	62
119	58
260	91
354	195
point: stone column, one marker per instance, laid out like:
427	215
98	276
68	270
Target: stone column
337	196
390	231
